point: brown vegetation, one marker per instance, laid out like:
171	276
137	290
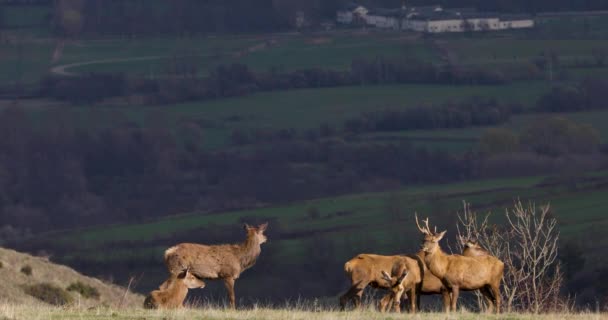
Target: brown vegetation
171	294
49	293
458	272
224	262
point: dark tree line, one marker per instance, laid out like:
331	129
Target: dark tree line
56	175
588	94
473	112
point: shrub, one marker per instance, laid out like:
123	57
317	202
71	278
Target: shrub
26	270
49	293
85	290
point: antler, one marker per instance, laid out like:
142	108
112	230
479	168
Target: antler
426	229
387	277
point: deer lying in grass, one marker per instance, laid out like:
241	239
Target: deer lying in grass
171	293
370	269
225	261
458	272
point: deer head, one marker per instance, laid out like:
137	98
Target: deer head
190	280
256	233
394	282
431	239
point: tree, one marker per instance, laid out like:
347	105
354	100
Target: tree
498	140
559	136
600	55
528	246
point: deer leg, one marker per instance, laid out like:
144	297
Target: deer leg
455	292
447	298
495	289
418	297
487	295
229	283
386	301
357	299
412	297
354	293
397	296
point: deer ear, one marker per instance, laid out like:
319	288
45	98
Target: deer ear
263	227
246	227
440	235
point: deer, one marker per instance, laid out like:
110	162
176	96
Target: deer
458	272
371	269
171	294
430	284
223	261
472	248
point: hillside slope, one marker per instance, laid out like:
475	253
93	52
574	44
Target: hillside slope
13	281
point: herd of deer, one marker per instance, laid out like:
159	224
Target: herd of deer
430	271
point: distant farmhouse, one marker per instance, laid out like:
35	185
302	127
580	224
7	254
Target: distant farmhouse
431	19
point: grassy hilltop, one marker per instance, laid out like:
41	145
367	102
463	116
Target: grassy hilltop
22	277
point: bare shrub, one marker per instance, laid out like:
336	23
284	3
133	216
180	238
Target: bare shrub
85	290
528	245
49	293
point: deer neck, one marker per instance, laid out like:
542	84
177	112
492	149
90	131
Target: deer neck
249	252
437	262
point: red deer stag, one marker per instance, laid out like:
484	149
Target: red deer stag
225	261
368	269
171	293
458	272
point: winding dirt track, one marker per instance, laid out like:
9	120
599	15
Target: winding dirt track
61	70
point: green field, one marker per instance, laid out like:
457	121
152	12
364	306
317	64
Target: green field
577	202
261	52
299	109
504	50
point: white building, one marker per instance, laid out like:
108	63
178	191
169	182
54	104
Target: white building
433	19
385	19
351	13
